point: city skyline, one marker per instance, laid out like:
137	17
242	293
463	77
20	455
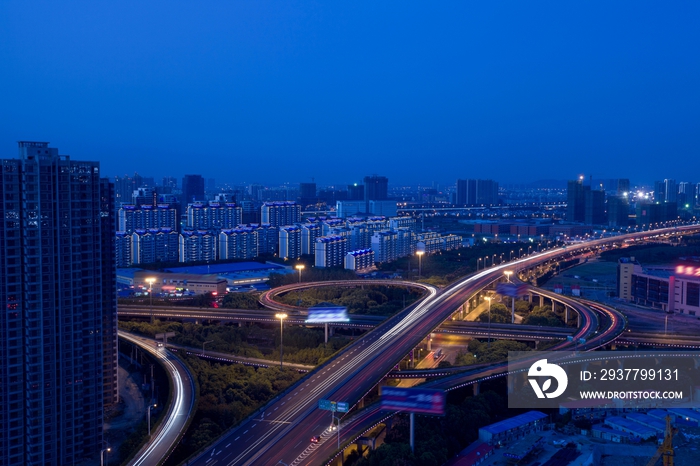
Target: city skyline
607	91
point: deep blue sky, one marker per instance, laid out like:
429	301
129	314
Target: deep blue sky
417	91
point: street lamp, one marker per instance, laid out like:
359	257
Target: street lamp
299	267
508	273
203	344
151	281
511	255
281	316
489	298
477	263
420	262
149	418
102	455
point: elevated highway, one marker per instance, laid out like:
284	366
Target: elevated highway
169	432
283	430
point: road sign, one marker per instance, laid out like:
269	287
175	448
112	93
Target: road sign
327	405
343	407
415	400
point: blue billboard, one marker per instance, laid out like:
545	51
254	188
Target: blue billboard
414	400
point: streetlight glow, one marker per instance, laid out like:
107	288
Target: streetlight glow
508	273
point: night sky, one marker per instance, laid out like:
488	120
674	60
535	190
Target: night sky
272	92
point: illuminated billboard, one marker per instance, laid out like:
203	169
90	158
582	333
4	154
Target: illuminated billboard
327	314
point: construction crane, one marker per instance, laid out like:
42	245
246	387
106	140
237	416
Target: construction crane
666	448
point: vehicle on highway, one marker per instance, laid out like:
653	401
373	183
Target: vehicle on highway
437	354
315	439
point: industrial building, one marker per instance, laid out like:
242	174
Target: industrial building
513	428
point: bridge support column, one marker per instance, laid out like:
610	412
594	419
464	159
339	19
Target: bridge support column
541	301
430	344
476	388
361	403
566	314
326	328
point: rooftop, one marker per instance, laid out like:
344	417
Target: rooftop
514	422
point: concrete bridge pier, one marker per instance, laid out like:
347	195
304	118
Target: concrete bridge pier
541	301
476	388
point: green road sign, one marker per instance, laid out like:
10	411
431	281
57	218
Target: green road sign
327	405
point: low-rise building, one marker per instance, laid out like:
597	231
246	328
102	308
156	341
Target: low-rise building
513	428
173	283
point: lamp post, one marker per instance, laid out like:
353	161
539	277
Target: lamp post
204	344
102	456
511	255
477	263
420	262
151	281
508	273
299	267
149	418
489	298
281	317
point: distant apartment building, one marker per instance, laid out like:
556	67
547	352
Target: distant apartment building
309	233
361	259
349	208
402	222
192	189
584	204
476	193
290	242
132	217
281	213
307	194
268	238
432	242
385	208
152	245
385	245
198	246
122	246
213	215
330	251
238	243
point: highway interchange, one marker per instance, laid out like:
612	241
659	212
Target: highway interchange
280	431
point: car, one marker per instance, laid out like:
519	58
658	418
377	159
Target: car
315	439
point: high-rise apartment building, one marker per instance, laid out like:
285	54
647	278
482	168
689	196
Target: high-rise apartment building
476	193
133	217
376	188
331	251
213	215
281	213
290	242
198	246
238	243
307	194
58	325
192	189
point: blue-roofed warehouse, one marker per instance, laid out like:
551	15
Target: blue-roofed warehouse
513	428
627	425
